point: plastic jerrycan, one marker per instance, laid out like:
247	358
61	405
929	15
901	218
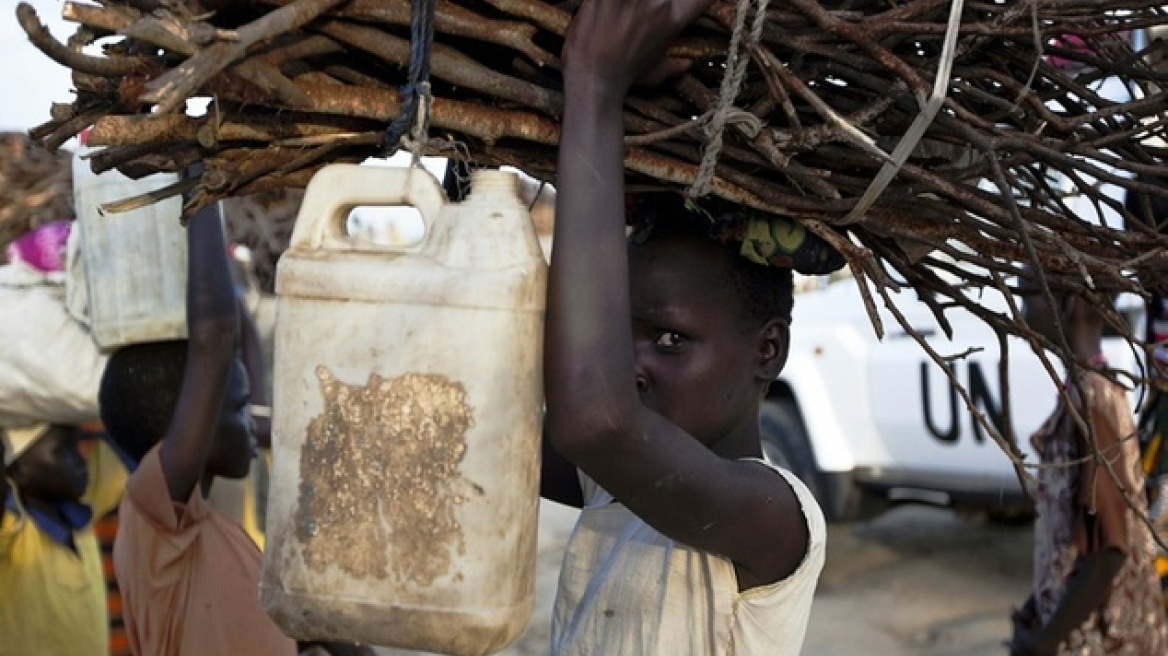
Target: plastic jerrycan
407	408
135	262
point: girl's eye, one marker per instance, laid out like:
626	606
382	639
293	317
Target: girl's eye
669	339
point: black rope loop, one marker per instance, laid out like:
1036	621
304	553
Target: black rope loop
415	93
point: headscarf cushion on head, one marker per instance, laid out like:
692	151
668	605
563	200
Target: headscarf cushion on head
763	238
783	242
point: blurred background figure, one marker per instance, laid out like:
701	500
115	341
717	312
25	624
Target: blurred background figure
1150	212
1095	588
55	592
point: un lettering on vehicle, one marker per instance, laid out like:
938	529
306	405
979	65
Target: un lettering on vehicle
945	423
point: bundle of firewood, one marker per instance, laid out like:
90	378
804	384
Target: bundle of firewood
924	139
36	186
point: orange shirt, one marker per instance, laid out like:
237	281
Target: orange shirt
189	576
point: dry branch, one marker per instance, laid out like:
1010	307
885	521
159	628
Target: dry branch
830	90
300	82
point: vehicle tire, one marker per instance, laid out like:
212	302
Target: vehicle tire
1010	515
785	443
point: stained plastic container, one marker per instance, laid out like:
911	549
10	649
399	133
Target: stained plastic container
135	262
407	400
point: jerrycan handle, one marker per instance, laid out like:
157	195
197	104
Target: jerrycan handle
337	188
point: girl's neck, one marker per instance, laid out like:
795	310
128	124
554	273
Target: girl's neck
744	442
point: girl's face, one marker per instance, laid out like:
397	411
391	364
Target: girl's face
53	468
696	355
235	444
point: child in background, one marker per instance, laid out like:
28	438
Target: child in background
659	352
1095	587
41	253
189	577
54	595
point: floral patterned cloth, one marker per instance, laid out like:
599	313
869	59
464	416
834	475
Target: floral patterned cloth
1131	621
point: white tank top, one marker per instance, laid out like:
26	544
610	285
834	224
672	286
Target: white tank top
627	590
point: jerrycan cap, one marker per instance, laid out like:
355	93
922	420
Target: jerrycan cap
494	184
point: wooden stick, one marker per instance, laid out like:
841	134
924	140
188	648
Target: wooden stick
40	37
170	90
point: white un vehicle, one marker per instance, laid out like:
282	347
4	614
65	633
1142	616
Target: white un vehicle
866	423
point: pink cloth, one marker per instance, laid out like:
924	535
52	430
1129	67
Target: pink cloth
42	248
1071	42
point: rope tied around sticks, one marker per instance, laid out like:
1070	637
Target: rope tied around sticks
412	124
725	111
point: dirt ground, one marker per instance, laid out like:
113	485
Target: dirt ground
916	581
919	581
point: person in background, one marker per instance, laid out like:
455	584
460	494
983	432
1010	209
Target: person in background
1151	212
53	600
1095	587
189	576
44	251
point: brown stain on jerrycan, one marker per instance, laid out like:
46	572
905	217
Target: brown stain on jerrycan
381	461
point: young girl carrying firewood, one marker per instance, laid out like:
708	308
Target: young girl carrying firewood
660	348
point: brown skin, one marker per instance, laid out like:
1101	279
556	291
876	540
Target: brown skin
210	432
50	471
692	344
658	415
1095	572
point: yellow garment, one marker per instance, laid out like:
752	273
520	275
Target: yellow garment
53	599
107	479
255	514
